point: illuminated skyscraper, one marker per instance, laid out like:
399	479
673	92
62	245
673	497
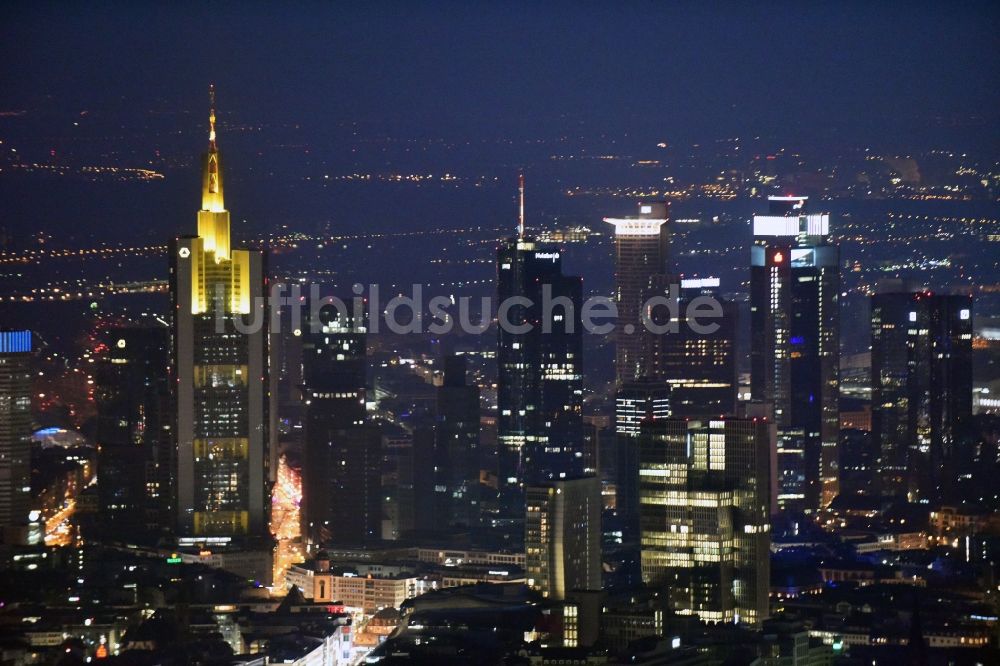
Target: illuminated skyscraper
638	401
562	536
921	387
15	434
223	390
635	402
699	366
641	249
704	496
795	346
539	371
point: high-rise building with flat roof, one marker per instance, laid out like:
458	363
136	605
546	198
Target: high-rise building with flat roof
704	517
134	431
223	391
921	388
795	346
636	402
354	485
457	459
562	536
334	366
15	433
697	360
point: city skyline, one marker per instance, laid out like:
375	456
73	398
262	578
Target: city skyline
506	335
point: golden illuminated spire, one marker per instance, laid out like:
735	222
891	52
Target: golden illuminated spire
211	191
211	117
213	219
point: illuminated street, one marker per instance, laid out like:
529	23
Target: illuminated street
285	522
59	529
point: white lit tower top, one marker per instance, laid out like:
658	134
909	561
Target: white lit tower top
794	347
641	251
788	217
648	223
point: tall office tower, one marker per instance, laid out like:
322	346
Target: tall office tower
858	464
458	460
795	346
539	365
921	387
641	249
223	389
698	359
289	364
704	495
636	402
287	368
422	506
134	431
597	443
562	536
15	434
334	366
354	479
599	448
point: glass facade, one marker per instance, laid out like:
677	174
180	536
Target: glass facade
795	350
539	373
334	362
921	389
134	430
704	516
562	536
15	427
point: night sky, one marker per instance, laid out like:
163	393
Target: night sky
680	72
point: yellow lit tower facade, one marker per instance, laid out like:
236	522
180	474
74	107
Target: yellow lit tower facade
223	394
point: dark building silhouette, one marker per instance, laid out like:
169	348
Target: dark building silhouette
288	342
858	464
353	485
598	449
422	508
457	458
334	362
921	387
132	396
